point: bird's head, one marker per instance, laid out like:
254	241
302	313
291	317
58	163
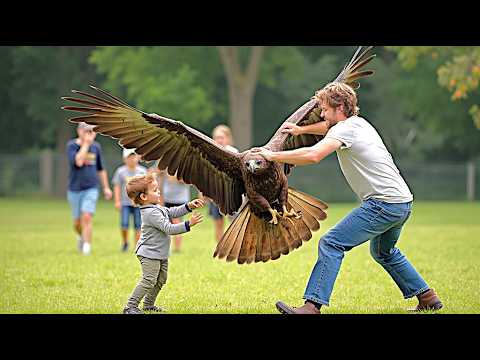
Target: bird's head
255	163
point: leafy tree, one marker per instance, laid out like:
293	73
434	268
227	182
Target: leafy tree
40	76
201	86
459	70
179	82
13	119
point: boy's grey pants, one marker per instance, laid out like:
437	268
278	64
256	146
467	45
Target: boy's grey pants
154	276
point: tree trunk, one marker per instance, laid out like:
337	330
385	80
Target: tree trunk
470	180
61	161
63	135
241	91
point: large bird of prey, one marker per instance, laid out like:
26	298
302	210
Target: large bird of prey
272	219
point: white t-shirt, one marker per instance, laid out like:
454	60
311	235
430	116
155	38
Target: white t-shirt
174	191
366	163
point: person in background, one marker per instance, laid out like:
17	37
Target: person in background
174	193
123	203
222	135
86	166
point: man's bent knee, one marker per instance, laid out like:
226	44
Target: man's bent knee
379	255
329	243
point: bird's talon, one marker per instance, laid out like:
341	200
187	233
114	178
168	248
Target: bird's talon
274	214
291	213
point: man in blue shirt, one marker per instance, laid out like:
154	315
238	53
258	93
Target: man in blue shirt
86	165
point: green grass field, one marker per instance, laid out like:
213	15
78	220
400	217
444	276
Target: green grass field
42	272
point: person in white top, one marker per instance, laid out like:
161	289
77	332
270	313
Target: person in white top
386	200
222	135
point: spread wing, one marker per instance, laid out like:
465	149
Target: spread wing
183	151
309	113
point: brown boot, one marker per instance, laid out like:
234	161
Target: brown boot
427	301
307	308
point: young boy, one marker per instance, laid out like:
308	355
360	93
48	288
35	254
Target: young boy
122	201
154	245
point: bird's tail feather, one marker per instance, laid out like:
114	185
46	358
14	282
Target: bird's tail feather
350	73
251	239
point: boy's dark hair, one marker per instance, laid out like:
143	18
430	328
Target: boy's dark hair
138	185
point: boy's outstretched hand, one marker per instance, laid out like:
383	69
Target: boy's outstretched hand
196	203
195	219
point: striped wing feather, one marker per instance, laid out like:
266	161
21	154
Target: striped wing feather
310	113
194	157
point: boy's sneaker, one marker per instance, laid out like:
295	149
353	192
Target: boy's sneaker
87	249
80	243
132	310
153	308
124	247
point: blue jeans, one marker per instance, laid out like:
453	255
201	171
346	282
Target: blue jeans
374	220
125	217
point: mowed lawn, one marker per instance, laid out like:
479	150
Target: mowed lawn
42	272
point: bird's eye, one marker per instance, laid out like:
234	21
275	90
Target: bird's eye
258	162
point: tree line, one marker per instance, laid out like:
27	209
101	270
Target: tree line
423	100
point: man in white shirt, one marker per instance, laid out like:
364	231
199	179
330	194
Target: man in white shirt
386	200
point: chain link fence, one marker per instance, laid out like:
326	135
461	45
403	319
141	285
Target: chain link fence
47	173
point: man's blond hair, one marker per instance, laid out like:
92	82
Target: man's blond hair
138	185
336	94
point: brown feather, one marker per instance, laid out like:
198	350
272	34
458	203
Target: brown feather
227	242
106	102
359	75
308	218
362	63
266	242
167	158
259	225
247	252
187	170
93	119
115	99
162	148
152	137
234	253
86	102
285	233
297	239
175	163
142	143
307	198
128	132
290	235
278	243
101	111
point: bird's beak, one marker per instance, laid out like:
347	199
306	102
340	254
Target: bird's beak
251	166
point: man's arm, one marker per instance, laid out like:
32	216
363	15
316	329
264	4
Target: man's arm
81	155
102	174
318	128
303	156
117	196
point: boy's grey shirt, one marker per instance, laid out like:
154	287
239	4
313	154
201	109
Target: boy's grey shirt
154	242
